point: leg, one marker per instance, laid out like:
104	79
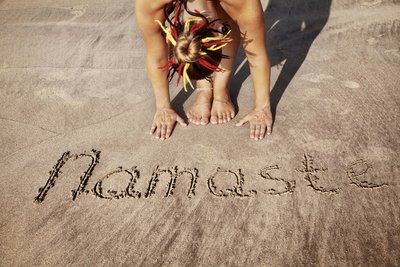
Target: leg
250	18
200	110
222	109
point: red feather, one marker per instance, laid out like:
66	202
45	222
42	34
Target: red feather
180	68
167	65
208	65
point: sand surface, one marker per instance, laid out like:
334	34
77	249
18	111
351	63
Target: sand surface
82	183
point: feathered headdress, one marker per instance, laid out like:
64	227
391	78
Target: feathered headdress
194	24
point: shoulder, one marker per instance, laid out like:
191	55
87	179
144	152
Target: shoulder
146	14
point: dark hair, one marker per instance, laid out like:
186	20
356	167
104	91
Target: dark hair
187	50
189	44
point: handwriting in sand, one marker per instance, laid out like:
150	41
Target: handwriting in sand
356	173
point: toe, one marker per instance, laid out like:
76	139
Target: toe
214	119
224	118
220	118
204	119
189	116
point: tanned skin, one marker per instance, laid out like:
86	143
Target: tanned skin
215	106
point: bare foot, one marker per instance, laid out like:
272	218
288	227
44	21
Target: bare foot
200	110
222	110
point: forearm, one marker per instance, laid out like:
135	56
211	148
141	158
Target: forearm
158	78
260	69
156	49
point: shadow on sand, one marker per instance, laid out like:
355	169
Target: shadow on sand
292	26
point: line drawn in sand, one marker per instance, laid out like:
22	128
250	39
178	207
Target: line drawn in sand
56	171
113	194
358	169
311	175
356	172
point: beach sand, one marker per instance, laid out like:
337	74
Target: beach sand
84	184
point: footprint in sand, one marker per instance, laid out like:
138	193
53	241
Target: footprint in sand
371	3
316	78
372	41
395	52
351	84
77	11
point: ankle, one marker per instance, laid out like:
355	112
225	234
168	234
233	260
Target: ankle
205	93
221	93
222	97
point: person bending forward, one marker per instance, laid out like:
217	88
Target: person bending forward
212	103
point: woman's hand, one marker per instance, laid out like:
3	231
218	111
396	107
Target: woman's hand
164	122
260	123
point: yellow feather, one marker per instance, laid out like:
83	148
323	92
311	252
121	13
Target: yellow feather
217	38
168	33
214	47
187	23
186	76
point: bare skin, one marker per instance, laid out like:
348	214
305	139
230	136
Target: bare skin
165	117
249	24
215	105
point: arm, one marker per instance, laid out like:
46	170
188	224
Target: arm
156	50
156	56
249	16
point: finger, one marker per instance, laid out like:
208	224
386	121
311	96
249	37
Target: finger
169	130
158	132
180	121
257	131
225	118
228	116
242	121
252	130
262	132
153	128
232	114
163	131
189	116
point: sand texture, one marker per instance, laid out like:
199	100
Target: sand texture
82	183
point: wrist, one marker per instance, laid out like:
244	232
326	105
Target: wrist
163	105
262	105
